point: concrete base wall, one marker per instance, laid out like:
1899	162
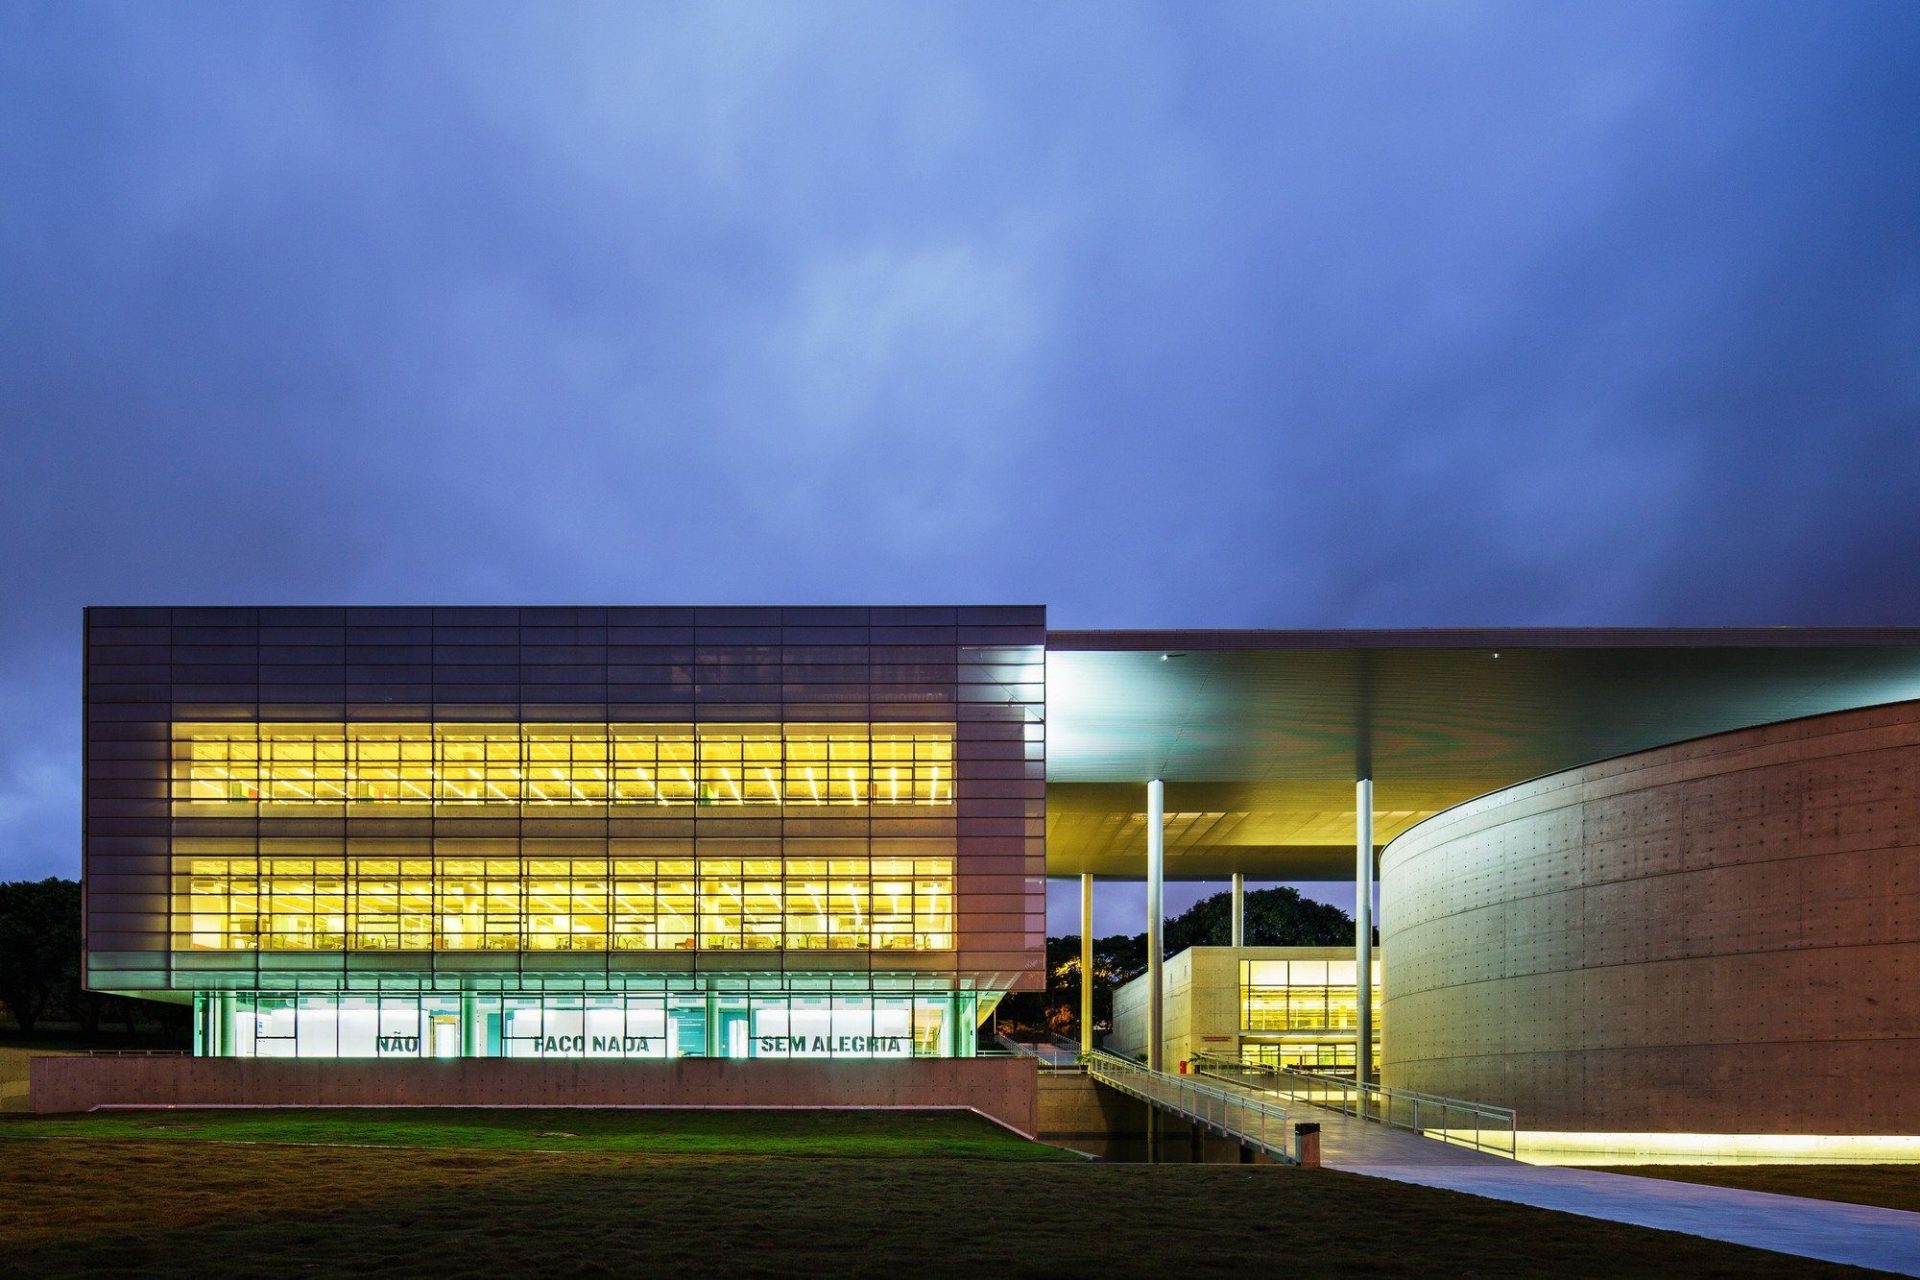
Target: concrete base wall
1714	937
1078	1113
1073	1106
1003	1088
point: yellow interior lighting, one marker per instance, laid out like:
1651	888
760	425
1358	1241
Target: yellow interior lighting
221	767
1539	1146
277	903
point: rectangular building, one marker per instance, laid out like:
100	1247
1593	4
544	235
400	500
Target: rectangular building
1281	1006
567	832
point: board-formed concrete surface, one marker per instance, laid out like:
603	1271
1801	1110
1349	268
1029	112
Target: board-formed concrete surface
1000	1088
1071	1104
1713	937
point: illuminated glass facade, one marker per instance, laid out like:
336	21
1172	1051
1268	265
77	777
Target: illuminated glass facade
294	903
223	770
781	1024
730	831
1302	1012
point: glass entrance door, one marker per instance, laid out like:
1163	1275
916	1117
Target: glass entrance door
733	1033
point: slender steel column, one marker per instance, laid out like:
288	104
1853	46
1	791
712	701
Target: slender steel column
1363	927
473	1027
1086	962
1239	909
1156	878
223	1024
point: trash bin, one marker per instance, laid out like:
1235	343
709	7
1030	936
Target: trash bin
1306	1145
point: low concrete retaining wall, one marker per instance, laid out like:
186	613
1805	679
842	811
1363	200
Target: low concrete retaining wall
1003	1088
1077	1112
1072	1105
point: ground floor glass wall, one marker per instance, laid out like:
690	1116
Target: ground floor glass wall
253	1024
1304	1055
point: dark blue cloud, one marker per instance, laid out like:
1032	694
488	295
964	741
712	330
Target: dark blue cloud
1305	315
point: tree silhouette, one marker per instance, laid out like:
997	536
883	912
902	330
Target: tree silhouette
1277	917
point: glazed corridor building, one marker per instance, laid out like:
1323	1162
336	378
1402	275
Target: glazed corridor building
568	832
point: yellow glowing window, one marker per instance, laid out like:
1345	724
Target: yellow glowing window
1302	995
266	903
220	766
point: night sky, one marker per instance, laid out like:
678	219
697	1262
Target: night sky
1278	315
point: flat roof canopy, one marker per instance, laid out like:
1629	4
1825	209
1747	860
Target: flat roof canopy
1259	735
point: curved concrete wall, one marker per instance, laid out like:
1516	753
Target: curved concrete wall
1721	936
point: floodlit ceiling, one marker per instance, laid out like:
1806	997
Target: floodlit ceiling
1260	734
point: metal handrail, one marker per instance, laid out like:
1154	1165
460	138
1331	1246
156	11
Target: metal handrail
1059	1059
1479	1125
139	1053
1248	1121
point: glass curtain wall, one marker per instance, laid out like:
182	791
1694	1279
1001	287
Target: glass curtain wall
567	1025
221	768
1292	1012
294	903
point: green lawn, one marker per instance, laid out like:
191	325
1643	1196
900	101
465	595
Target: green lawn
858	1134
1891	1186
908	1196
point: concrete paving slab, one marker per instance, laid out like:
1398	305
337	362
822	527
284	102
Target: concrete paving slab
1859	1235
1347	1142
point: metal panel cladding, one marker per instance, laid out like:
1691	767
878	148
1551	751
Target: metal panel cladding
161	680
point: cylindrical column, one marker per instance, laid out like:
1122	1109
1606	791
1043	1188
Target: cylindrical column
1363	929
223	1024
473	1028
1086	962
1156	878
1239	909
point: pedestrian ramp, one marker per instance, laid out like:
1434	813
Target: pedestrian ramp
1372	1123
1259	1124
1856	1235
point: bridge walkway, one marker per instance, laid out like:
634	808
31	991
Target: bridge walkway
1358	1146
1258	1124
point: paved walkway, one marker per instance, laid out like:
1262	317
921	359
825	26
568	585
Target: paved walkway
1887	1239
1360	1146
1860	1235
